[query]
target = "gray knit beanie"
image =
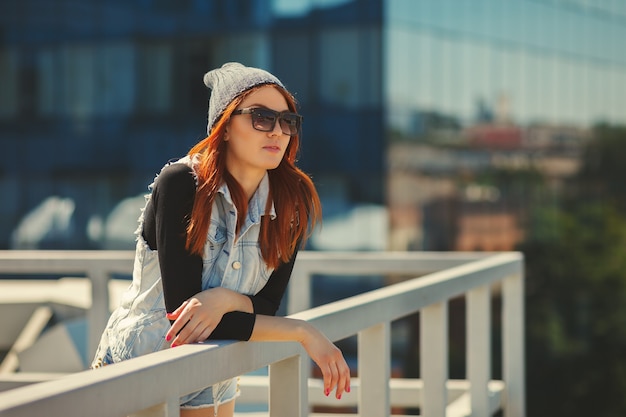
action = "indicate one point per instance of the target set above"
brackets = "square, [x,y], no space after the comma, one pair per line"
[228,82]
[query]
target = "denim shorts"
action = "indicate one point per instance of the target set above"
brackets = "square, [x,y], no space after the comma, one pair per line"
[214,395]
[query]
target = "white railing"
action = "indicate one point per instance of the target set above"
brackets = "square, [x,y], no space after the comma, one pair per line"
[151,385]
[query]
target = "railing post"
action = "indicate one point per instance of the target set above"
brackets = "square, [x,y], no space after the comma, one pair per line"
[434,358]
[513,346]
[299,291]
[374,356]
[478,316]
[289,396]
[98,314]
[299,298]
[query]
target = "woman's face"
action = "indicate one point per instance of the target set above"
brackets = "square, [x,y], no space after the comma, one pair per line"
[252,152]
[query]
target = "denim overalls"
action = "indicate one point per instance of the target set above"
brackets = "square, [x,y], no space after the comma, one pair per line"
[138,326]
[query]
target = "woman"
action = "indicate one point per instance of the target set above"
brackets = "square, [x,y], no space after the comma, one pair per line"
[218,239]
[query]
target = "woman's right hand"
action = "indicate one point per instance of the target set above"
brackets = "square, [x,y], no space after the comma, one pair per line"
[196,318]
[194,321]
[330,360]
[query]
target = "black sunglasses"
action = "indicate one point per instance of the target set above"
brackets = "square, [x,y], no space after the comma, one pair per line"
[264,119]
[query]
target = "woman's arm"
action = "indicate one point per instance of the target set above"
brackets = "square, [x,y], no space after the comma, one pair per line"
[324,353]
[165,230]
[220,313]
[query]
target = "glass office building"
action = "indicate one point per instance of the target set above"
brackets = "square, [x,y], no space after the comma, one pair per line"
[97,95]
[408,105]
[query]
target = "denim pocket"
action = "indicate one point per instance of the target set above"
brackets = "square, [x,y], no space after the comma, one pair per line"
[216,238]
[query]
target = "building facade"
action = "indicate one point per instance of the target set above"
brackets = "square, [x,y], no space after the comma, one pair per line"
[488,106]
[410,107]
[98,95]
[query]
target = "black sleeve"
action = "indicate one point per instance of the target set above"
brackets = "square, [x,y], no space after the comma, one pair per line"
[238,325]
[165,224]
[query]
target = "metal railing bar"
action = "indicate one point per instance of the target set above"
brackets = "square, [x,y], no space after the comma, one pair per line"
[399,300]
[140,383]
[155,381]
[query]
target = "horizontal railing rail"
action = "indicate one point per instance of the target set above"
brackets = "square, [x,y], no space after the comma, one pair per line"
[152,384]
[98,266]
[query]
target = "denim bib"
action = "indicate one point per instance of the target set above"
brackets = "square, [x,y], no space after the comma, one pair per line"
[138,326]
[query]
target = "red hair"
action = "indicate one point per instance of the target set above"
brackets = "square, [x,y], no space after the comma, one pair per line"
[297,205]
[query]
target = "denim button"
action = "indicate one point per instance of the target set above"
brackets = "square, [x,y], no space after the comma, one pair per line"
[236,265]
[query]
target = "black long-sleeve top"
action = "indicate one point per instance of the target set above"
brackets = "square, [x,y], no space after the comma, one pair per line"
[164,229]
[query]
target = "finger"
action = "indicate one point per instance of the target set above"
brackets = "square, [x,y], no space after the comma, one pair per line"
[194,334]
[335,380]
[327,377]
[333,377]
[205,334]
[343,385]
[178,321]
[185,335]
[178,326]
[174,314]
[175,329]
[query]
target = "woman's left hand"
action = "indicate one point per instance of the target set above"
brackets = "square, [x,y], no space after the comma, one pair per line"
[197,317]
[335,370]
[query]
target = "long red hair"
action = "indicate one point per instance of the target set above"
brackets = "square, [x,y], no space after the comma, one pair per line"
[297,205]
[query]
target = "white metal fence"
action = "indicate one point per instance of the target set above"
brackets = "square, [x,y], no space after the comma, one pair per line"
[151,385]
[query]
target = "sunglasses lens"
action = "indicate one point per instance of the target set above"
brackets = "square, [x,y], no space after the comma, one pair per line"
[263,120]
[290,123]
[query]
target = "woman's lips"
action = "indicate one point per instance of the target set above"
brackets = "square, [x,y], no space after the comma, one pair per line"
[274,149]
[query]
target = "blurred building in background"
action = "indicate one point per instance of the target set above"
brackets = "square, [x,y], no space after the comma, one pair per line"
[97,95]
[417,113]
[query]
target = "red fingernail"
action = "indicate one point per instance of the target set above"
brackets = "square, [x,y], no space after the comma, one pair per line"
[338,397]
[326,392]
[168,338]
[348,389]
